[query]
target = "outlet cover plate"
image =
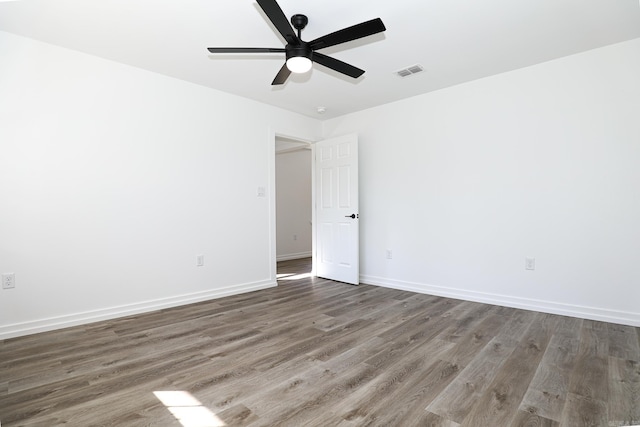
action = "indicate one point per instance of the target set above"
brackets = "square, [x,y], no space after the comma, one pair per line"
[8,280]
[529,263]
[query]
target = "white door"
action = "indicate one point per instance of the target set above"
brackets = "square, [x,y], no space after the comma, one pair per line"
[337,217]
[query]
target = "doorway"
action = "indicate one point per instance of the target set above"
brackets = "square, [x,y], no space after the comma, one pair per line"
[293,200]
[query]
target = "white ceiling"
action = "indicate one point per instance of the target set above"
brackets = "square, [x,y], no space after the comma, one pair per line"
[455,40]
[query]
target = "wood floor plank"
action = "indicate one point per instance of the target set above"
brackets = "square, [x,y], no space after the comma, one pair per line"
[623,405]
[548,389]
[409,308]
[311,402]
[394,377]
[468,321]
[431,420]
[499,402]
[458,399]
[238,415]
[321,353]
[589,377]
[623,342]
[233,386]
[413,332]
[584,411]
[128,400]
[91,391]
[409,401]
[469,344]
[527,419]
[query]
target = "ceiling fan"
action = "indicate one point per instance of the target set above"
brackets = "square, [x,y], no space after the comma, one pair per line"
[301,54]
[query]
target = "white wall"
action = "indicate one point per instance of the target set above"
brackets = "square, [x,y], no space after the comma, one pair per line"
[464,183]
[293,202]
[113,179]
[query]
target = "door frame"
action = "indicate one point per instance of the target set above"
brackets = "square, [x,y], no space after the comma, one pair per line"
[271,167]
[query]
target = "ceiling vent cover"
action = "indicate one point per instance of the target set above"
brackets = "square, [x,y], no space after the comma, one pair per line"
[414,69]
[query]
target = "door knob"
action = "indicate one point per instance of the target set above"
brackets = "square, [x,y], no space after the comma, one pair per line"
[352,216]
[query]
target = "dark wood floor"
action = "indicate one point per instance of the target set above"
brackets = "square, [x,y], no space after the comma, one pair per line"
[317,353]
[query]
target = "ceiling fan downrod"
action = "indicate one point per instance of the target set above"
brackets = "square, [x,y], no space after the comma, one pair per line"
[299,22]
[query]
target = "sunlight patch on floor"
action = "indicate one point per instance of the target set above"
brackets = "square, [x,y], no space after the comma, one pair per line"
[284,276]
[188,410]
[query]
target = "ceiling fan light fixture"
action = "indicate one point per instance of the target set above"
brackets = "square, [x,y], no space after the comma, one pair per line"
[300,55]
[299,64]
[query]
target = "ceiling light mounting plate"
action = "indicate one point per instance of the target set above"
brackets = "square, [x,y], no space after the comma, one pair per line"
[299,22]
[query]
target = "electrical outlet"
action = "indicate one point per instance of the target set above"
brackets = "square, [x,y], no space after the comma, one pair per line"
[199,260]
[389,254]
[8,280]
[529,263]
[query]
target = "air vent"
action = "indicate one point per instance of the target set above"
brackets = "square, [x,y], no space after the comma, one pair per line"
[414,69]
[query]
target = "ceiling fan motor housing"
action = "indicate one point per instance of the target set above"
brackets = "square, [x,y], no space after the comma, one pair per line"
[298,50]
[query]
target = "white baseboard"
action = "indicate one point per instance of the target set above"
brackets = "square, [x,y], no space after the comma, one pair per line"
[287,257]
[592,313]
[52,323]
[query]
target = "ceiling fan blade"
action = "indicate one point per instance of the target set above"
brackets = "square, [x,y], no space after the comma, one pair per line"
[279,20]
[245,49]
[282,75]
[337,65]
[354,32]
